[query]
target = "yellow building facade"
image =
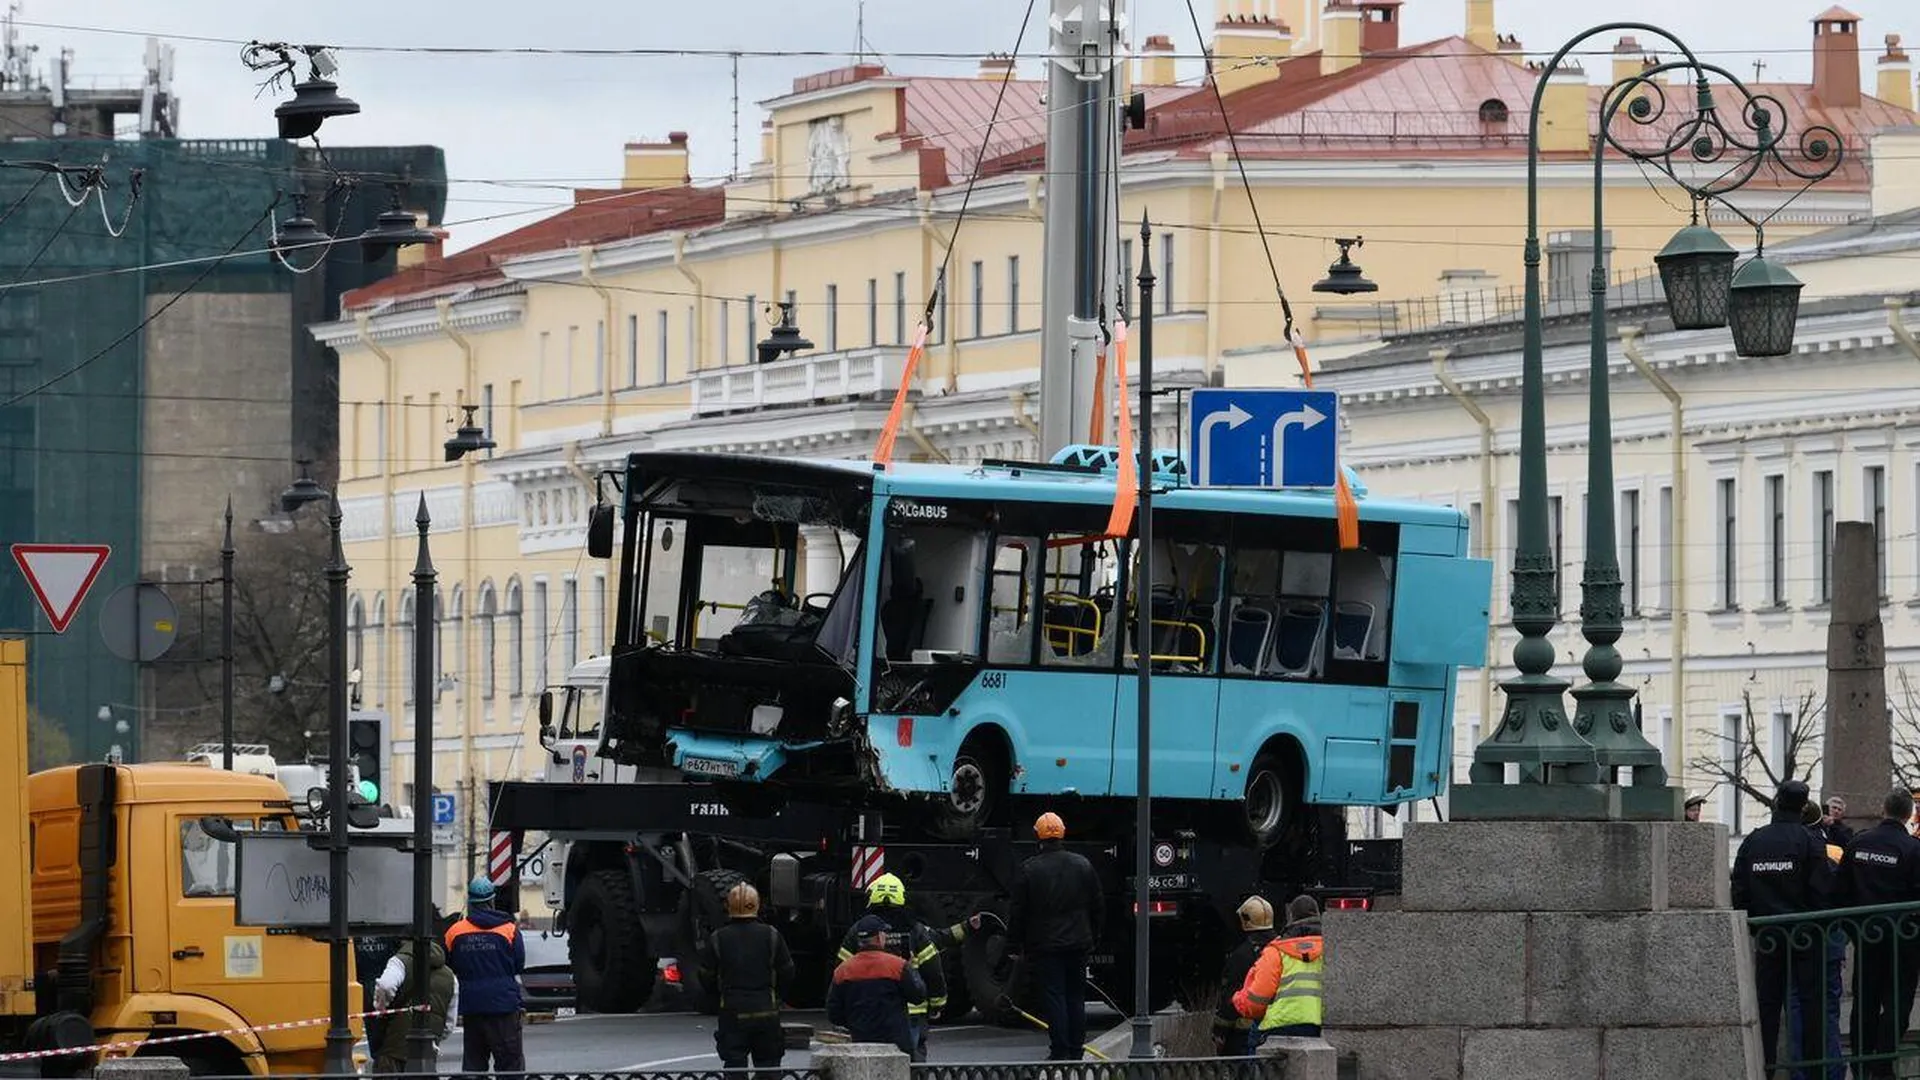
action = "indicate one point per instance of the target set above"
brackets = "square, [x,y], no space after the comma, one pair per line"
[629,320]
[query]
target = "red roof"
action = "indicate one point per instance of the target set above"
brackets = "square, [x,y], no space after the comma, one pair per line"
[597,217]
[1836,13]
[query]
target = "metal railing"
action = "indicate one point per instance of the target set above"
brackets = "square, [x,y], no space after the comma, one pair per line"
[1481,308]
[1856,967]
[1238,1068]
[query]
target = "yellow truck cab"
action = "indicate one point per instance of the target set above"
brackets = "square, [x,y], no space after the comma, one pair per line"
[129,908]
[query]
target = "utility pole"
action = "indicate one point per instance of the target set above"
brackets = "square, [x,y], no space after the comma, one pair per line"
[226,644]
[1082,46]
[1857,759]
[1142,1046]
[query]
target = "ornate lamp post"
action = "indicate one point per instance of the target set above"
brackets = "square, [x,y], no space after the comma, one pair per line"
[1568,770]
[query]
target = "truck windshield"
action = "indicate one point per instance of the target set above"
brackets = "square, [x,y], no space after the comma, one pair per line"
[208,866]
[580,712]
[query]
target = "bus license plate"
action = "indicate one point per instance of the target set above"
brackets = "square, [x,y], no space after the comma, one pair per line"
[1167,882]
[710,767]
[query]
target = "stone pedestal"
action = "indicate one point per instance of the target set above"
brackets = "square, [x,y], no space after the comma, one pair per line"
[1543,949]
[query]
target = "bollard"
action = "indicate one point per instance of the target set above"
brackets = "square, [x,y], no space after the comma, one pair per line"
[1303,1059]
[862,1061]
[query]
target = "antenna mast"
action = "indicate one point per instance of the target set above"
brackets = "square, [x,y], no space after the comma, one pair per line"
[735,174]
[860,32]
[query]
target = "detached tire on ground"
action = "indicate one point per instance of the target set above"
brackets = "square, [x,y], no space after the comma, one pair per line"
[995,983]
[613,970]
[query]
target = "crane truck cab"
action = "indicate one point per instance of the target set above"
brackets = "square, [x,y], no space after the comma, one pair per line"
[117,919]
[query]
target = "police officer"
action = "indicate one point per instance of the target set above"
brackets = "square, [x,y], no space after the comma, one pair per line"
[1054,917]
[910,940]
[747,964]
[1882,866]
[1782,869]
[1230,1029]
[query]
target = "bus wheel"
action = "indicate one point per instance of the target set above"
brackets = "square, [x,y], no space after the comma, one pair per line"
[612,968]
[973,792]
[1269,802]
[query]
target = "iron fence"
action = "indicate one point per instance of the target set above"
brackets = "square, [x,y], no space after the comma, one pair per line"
[1241,1068]
[1836,990]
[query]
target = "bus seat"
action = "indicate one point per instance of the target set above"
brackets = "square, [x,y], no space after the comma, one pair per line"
[1296,646]
[1352,629]
[1247,638]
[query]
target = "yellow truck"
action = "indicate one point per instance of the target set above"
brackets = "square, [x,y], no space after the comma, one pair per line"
[117,926]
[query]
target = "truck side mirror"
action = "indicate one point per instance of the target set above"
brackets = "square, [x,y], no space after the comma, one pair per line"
[546,712]
[600,531]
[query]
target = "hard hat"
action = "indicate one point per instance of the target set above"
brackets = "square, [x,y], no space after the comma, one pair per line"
[1256,914]
[1049,827]
[887,889]
[743,901]
[480,889]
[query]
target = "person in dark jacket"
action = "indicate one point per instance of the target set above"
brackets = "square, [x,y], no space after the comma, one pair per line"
[911,940]
[1882,866]
[487,954]
[872,992]
[1835,978]
[1782,869]
[396,989]
[1833,824]
[370,957]
[1053,918]
[1230,1029]
[747,964]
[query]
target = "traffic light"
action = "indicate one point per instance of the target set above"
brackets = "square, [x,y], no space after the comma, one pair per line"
[367,750]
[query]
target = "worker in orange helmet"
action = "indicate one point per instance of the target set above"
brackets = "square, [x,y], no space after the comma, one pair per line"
[1053,919]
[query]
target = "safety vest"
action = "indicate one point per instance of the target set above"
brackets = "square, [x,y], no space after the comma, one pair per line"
[1297,999]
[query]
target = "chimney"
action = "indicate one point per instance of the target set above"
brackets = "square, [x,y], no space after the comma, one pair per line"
[1896,75]
[1156,61]
[1563,110]
[1339,37]
[1379,25]
[1480,31]
[766,140]
[1836,58]
[1894,160]
[1628,59]
[1247,50]
[657,165]
[996,68]
[1511,50]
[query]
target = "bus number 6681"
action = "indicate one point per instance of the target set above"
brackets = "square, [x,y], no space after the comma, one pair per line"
[993,680]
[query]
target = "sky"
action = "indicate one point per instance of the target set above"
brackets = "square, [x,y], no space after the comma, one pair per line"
[519,129]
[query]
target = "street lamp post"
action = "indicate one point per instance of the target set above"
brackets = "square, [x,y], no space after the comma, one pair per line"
[226,643]
[339,1048]
[422,1058]
[1567,770]
[1143,665]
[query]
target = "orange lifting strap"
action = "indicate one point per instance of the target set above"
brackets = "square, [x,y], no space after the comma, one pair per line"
[1346,510]
[883,447]
[1096,424]
[1126,486]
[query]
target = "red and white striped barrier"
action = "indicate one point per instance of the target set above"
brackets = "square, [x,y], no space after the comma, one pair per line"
[500,858]
[130,1045]
[869,862]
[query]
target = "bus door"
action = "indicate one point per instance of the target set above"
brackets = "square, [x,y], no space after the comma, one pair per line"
[1441,610]
[1184,603]
[1069,734]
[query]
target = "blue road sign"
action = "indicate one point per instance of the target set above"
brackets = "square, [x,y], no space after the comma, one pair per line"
[1264,438]
[443,809]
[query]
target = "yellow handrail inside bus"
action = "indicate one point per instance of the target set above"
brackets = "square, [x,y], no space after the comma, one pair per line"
[1200,636]
[1068,634]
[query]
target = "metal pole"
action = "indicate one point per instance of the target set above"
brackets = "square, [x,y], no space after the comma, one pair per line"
[422,1056]
[1057,237]
[1143,667]
[339,1053]
[226,644]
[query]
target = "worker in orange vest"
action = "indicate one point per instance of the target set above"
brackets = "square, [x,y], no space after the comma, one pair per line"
[1282,992]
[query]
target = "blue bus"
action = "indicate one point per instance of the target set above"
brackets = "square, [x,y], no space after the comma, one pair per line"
[956,638]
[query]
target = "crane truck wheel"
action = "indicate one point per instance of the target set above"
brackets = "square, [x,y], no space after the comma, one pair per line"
[612,967]
[703,909]
[994,982]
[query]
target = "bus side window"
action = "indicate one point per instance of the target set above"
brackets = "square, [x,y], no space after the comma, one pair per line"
[1078,619]
[1010,614]
[1362,607]
[1306,578]
[1184,598]
[930,584]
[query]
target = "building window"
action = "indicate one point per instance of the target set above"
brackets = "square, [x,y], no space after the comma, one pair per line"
[753,325]
[1665,600]
[489,658]
[793,303]
[1823,539]
[573,343]
[900,307]
[1727,507]
[543,360]
[454,661]
[377,679]
[407,649]
[600,356]
[542,634]
[1669,753]
[1629,524]
[1776,541]
[1730,755]
[1476,530]
[633,350]
[693,358]
[939,326]
[1013,294]
[486,412]
[1876,483]
[570,632]
[599,643]
[873,311]
[833,318]
[516,640]
[1782,737]
[1126,275]
[1165,285]
[660,348]
[1559,552]
[726,333]
[979,296]
[357,635]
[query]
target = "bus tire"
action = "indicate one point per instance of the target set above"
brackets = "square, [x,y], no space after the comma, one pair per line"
[613,970]
[975,788]
[1271,800]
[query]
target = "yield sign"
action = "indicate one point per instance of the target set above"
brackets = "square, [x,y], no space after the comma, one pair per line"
[60,575]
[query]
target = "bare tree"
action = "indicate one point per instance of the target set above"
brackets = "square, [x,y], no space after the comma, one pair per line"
[280,627]
[1904,705]
[1749,769]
